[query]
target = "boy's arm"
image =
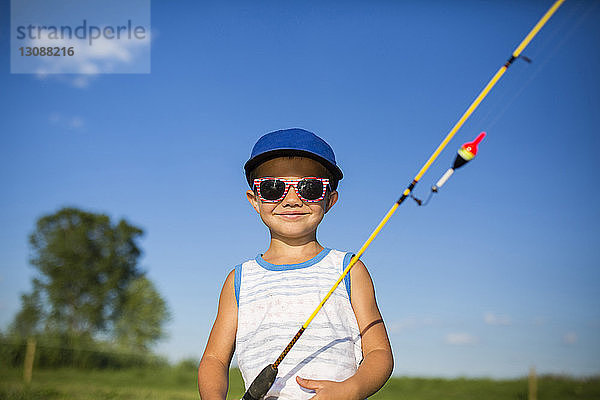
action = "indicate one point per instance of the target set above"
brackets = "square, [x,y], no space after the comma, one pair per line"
[378,362]
[213,371]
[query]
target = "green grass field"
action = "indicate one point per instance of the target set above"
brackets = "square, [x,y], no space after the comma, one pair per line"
[179,383]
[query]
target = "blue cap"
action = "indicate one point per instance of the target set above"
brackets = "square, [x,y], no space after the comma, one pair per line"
[293,142]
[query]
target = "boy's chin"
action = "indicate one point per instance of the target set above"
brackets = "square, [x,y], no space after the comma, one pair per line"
[292,232]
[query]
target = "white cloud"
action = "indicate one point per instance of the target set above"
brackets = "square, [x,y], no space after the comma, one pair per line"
[73,122]
[411,322]
[81,82]
[402,325]
[54,118]
[496,319]
[104,56]
[461,339]
[570,338]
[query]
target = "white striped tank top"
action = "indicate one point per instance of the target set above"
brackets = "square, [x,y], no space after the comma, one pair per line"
[273,303]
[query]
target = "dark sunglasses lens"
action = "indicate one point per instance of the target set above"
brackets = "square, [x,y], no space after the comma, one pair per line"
[310,189]
[272,189]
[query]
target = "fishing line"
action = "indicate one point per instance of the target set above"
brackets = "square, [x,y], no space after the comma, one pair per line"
[545,60]
[548,56]
[532,60]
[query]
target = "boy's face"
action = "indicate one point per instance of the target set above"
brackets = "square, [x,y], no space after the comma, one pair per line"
[291,218]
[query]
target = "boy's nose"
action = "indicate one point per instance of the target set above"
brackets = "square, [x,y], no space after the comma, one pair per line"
[291,197]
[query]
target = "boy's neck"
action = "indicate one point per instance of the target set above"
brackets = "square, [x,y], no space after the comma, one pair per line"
[291,251]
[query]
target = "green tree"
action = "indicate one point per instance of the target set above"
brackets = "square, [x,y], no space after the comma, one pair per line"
[85,264]
[142,316]
[88,275]
[28,320]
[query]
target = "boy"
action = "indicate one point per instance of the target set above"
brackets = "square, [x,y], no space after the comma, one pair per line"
[345,352]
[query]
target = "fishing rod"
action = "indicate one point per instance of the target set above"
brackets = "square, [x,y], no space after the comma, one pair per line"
[265,379]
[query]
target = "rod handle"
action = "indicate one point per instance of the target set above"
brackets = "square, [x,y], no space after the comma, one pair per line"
[261,384]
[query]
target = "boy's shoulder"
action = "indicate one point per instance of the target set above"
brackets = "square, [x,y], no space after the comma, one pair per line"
[326,255]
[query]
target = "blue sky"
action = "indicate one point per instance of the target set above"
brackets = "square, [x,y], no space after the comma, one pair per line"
[495,275]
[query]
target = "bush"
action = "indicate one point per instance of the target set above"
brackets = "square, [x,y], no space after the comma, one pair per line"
[189,364]
[53,351]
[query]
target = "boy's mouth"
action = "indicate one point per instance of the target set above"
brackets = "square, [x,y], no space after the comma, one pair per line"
[291,216]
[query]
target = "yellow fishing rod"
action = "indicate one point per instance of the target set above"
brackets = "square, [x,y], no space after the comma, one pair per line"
[265,379]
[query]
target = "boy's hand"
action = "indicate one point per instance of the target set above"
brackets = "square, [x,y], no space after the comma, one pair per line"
[326,390]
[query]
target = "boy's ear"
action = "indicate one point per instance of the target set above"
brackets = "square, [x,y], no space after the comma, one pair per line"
[331,200]
[253,199]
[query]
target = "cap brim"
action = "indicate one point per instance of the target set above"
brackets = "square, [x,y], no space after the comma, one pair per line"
[269,155]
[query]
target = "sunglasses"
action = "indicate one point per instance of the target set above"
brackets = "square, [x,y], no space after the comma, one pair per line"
[273,190]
